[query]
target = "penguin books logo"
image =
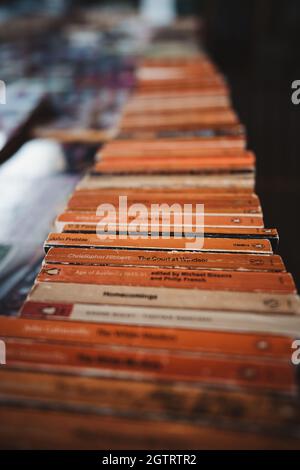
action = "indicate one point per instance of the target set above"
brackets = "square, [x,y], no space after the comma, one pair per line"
[296,353]
[2,353]
[2,92]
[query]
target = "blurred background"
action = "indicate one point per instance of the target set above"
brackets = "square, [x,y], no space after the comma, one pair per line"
[255,45]
[68,68]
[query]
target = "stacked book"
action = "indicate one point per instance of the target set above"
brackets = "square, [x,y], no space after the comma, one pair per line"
[161,317]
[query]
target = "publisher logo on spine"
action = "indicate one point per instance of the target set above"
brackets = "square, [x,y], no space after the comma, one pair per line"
[2,353]
[296,353]
[2,92]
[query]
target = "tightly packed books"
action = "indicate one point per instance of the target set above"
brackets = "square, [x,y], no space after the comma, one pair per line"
[136,337]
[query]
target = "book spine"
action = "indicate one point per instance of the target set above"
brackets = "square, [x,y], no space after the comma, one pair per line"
[166,298]
[232,182]
[212,261]
[280,324]
[171,339]
[219,245]
[196,404]
[169,278]
[173,165]
[214,215]
[146,196]
[210,220]
[160,365]
[215,232]
[25,428]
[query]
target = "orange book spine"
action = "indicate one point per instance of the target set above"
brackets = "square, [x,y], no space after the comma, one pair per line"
[225,196]
[210,244]
[175,152]
[90,202]
[214,220]
[218,199]
[190,192]
[171,339]
[197,368]
[122,395]
[169,153]
[90,256]
[21,428]
[171,278]
[184,93]
[226,116]
[191,89]
[187,165]
[233,141]
[232,232]
[211,210]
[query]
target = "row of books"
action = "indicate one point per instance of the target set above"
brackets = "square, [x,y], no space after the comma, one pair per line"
[64,90]
[136,337]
